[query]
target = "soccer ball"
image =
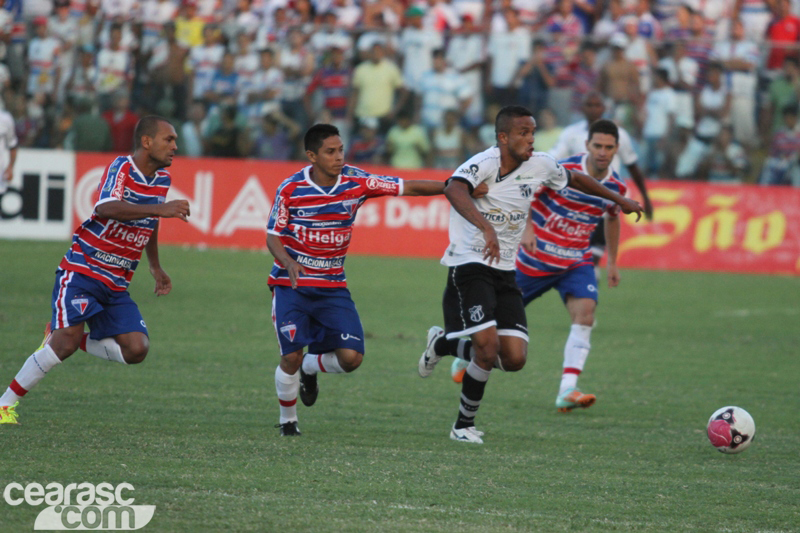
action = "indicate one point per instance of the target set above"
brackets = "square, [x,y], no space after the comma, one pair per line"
[731,429]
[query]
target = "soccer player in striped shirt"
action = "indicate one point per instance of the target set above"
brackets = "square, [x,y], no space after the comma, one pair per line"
[92,279]
[555,253]
[309,232]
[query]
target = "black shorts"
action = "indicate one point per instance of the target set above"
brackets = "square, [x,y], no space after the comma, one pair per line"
[478,297]
[598,240]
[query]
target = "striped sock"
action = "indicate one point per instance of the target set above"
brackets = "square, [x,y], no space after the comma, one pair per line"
[287,385]
[324,362]
[31,373]
[472,388]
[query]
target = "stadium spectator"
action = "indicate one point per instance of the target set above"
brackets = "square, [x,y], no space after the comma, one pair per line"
[189,27]
[585,78]
[712,105]
[223,83]
[649,26]
[782,167]
[449,141]
[378,90]
[660,110]
[783,34]
[682,71]
[564,21]
[639,51]
[167,69]
[783,91]
[547,130]
[466,53]
[407,144]
[508,51]
[726,162]
[367,145]
[329,36]
[121,123]
[246,63]
[619,81]
[191,134]
[416,48]
[82,81]
[204,60]
[8,149]
[90,132]
[64,27]
[610,23]
[228,139]
[297,62]
[114,68]
[276,137]
[377,31]
[536,77]
[43,61]
[154,14]
[264,94]
[331,82]
[441,89]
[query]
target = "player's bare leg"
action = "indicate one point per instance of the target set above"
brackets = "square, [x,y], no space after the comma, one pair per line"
[287,384]
[512,357]
[576,350]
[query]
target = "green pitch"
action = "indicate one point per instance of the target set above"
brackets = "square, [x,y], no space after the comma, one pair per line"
[192,427]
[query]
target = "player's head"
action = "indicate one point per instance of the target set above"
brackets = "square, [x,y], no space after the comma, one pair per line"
[593,106]
[602,143]
[324,149]
[514,128]
[156,138]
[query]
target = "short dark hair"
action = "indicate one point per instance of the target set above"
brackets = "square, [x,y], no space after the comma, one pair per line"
[604,126]
[502,122]
[146,126]
[317,134]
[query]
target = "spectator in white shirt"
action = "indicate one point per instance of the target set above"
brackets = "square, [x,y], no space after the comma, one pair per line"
[441,89]
[660,107]
[466,52]
[416,46]
[508,51]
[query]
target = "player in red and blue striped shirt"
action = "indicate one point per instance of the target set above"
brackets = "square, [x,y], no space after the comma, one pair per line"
[555,251]
[309,232]
[92,278]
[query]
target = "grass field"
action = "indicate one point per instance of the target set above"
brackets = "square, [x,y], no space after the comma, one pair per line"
[192,428]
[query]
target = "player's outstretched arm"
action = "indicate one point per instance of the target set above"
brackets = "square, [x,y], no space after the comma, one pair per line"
[589,185]
[278,251]
[422,187]
[163,281]
[124,211]
[612,231]
[457,192]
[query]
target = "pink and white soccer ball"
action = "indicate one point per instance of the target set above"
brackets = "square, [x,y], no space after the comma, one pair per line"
[731,429]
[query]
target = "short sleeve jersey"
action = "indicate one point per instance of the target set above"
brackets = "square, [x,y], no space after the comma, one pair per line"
[505,206]
[315,223]
[109,250]
[564,222]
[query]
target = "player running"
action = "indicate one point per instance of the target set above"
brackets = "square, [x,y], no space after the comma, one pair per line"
[556,253]
[482,299]
[309,232]
[93,277]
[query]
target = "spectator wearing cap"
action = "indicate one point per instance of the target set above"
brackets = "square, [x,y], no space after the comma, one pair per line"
[508,51]
[619,80]
[466,53]
[168,75]
[740,57]
[331,82]
[416,47]
[377,90]
[115,68]
[189,25]
[43,64]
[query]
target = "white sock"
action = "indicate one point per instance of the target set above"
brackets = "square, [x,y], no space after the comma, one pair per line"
[106,349]
[575,353]
[326,362]
[31,373]
[287,385]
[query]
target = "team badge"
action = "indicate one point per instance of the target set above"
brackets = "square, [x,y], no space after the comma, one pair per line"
[289,331]
[350,206]
[525,191]
[80,304]
[476,313]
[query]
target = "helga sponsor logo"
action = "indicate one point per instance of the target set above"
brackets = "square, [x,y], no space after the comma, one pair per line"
[81,506]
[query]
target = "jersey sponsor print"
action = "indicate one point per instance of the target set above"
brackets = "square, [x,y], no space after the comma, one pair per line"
[109,250]
[564,222]
[315,223]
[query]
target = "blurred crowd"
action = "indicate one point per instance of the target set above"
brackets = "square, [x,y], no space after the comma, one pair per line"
[708,89]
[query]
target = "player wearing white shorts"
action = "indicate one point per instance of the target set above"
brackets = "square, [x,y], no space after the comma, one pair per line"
[481,299]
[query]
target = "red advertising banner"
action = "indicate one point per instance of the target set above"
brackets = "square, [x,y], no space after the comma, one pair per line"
[695,227]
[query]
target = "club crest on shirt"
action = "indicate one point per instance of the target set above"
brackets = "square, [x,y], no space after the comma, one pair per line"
[476,313]
[80,304]
[289,331]
[350,206]
[525,191]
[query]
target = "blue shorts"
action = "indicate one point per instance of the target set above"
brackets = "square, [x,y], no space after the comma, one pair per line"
[579,282]
[78,298]
[323,319]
